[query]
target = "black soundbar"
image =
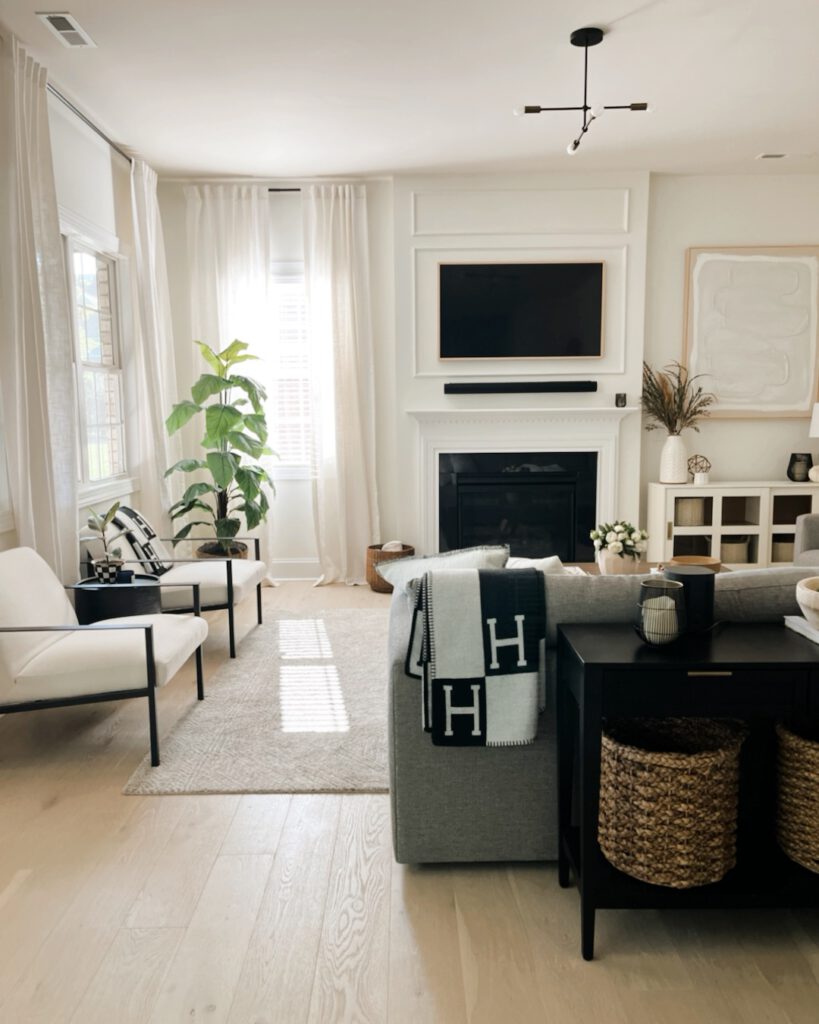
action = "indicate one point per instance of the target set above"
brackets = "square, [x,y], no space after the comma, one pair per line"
[520,388]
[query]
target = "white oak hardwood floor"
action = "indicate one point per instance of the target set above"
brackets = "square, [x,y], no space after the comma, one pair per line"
[289,909]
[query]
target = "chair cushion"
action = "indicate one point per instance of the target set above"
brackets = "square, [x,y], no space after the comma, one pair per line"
[30,595]
[94,661]
[211,575]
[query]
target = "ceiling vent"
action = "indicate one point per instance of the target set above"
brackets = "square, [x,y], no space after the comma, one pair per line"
[66,28]
[771,156]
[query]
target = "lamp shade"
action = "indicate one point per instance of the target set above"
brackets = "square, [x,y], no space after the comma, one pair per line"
[814,422]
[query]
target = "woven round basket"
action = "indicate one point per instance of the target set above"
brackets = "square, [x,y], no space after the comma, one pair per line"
[797,819]
[376,554]
[668,799]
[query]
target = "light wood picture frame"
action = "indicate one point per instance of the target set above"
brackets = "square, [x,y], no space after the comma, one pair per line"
[752,327]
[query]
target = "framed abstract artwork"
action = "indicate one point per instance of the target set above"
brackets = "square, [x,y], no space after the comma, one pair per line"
[751,328]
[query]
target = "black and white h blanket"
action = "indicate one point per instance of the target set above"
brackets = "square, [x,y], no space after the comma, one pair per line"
[477,643]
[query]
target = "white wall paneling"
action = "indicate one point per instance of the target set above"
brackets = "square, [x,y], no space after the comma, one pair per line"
[425,318]
[505,211]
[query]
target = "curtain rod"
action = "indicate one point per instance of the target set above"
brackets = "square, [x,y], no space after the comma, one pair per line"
[284,190]
[88,121]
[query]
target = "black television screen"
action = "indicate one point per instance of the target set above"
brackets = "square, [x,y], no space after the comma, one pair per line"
[521,310]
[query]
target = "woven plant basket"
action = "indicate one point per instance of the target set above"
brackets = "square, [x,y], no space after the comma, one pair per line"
[376,554]
[668,799]
[797,819]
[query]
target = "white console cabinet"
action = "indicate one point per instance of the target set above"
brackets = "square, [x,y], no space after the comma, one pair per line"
[744,525]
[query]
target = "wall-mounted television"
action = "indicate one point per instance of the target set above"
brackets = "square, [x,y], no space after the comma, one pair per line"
[521,310]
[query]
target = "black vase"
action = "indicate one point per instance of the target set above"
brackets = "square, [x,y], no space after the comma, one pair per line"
[798,466]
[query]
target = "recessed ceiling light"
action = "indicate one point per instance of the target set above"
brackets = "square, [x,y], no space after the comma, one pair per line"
[771,156]
[66,28]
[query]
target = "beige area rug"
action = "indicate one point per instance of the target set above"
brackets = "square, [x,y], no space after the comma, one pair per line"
[303,709]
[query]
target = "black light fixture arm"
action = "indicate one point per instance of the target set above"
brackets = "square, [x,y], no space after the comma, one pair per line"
[584,37]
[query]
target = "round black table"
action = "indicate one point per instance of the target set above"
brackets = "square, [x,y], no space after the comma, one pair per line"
[94,600]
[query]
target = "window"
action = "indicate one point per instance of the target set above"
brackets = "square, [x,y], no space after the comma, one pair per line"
[98,361]
[288,370]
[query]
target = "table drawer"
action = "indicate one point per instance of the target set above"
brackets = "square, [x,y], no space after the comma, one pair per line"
[709,692]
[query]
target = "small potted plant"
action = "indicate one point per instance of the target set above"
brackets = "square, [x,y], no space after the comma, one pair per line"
[619,547]
[673,402]
[107,567]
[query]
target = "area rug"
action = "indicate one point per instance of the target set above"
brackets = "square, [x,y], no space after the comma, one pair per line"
[302,709]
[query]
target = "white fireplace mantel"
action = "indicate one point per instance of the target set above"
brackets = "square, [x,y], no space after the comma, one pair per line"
[557,429]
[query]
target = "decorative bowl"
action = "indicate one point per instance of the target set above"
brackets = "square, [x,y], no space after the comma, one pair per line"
[807,597]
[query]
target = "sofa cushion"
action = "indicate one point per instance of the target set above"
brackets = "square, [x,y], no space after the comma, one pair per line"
[400,571]
[551,564]
[589,599]
[758,595]
[95,661]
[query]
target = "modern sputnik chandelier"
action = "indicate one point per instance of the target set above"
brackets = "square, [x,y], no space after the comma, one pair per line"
[584,37]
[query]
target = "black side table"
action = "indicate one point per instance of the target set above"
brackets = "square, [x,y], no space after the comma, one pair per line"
[759,672]
[94,600]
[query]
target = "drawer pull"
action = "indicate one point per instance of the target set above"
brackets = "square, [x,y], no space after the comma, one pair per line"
[712,672]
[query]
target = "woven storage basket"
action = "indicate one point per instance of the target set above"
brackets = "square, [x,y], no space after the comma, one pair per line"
[797,820]
[376,554]
[668,799]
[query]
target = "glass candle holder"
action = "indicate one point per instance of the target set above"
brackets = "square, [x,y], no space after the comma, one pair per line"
[660,611]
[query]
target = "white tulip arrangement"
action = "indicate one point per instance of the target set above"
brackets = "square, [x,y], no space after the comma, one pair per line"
[619,538]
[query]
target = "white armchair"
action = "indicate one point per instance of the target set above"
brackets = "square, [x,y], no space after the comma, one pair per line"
[48,660]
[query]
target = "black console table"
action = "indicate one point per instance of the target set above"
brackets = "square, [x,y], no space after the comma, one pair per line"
[94,600]
[758,672]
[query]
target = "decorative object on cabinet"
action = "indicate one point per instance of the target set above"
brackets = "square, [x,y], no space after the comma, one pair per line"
[751,327]
[799,466]
[672,401]
[619,547]
[698,469]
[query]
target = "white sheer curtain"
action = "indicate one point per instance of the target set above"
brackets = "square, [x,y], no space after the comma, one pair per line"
[154,357]
[336,257]
[228,229]
[36,368]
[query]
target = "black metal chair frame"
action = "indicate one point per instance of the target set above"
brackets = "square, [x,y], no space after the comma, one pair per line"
[149,690]
[229,606]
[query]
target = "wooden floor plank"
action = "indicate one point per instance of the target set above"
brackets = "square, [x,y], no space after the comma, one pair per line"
[352,967]
[171,891]
[201,980]
[127,984]
[257,824]
[426,983]
[277,976]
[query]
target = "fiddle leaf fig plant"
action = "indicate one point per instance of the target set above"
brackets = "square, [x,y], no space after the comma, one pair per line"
[235,437]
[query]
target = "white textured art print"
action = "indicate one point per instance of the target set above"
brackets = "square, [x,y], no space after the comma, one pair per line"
[753,331]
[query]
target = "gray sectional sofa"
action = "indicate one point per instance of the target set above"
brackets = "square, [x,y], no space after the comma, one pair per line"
[499,803]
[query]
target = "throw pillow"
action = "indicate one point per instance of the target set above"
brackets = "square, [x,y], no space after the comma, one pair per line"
[142,538]
[551,565]
[400,571]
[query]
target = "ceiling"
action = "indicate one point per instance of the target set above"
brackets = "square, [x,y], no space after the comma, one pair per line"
[373,87]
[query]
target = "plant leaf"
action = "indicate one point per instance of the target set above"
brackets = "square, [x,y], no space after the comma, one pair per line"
[182,509]
[207,385]
[109,515]
[210,357]
[185,466]
[220,420]
[180,414]
[233,350]
[186,529]
[253,514]
[223,467]
[227,528]
[258,424]
[197,489]
[245,443]
[247,483]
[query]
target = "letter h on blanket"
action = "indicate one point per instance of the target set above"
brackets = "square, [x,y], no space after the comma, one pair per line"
[477,643]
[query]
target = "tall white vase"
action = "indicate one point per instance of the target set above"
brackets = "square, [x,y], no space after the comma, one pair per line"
[674,461]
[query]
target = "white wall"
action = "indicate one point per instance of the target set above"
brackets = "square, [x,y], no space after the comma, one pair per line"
[503,218]
[707,210]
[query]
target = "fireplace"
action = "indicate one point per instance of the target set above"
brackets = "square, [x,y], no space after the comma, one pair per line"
[539,503]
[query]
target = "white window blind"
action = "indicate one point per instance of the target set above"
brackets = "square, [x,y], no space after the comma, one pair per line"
[98,363]
[288,371]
